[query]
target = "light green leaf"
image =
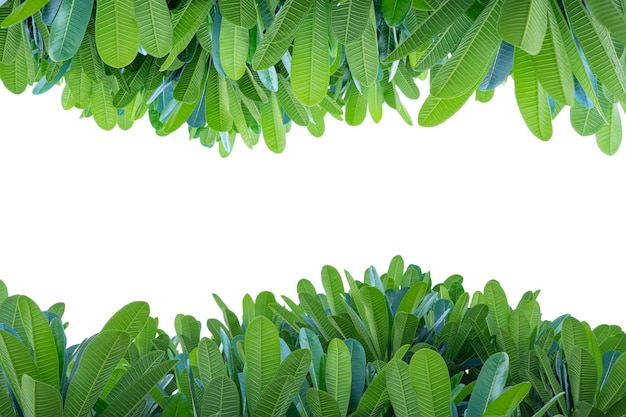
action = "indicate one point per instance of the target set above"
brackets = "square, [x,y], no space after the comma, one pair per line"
[280,33]
[531,98]
[190,84]
[10,39]
[104,113]
[16,75]
[40,399]
[322,404]
[310,65]
[24,10]
[218,116]
[288,101]
[430,380]
[552,65]
[239,12]
[598,48]
[272,125]
[472,58]
[437,110]
[239,119]
[436,22]
[16,362]
[339,374]
[401,392]
[349,19]
[155,26]
[262,349]
[130,319]
[221,398]
[117,35]
[362,56]
[609,136]
[233,49]
[68,28]
[375,101]
[609,14]
[375,314]
[98,361]
[356,105]
[508,401]
[523,23]
[499,310]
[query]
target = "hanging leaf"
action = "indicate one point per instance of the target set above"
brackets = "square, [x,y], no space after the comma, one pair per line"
[610,15]
[24,10]
[310,64]
[10,39]
[500,68]
[609,136]
[362,56]
[348,19]
[155,26]
[437,110]
[239,12]
[523,23]
[585,121]
[394,11]
[233,43]
[217,107]
[356,105]
[68,28]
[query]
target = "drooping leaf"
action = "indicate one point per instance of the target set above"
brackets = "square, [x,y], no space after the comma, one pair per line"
[68,28]
[272,124]
[349,19]
[394,11]
[24,10]
[609,136]
[239,12]
[500,68]
[155,26]
[362,56]
[233,42]
[523,23]
[117,34]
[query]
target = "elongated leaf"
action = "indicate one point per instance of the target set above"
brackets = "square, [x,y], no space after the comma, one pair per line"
[532,99]
[349,19]
[40,399]
[272,124]
[523,23]
[309,63]
[598,48]
[436,22]
[276,397]
[437,110]
[233,49]
[322,404]
[444,44]
[508,401]
[339,374]
[218,116]
[190,84]
[68,28]
[24,10]
[16,362]
[155,26]
[280,34]
[430,380]
[262,358]
[552,65]
[356,105]
[239,12]
[614,387]
[376,317]
[375,397]
[401,392]
[97,363]
[362,56]
[117,34]
[499,309]
[394,11]
[489,384]
[177,405]
[221,397]
[609,14]
[130,319]
[582,370]
[290,104]
[609,136]
[10,39]
[472,58]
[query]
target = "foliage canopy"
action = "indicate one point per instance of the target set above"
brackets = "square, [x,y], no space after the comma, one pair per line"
[390,345]
[252,67]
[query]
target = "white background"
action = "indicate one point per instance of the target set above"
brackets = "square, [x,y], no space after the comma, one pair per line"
[98,219]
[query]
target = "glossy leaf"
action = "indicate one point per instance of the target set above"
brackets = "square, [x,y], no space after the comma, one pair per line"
[68,28]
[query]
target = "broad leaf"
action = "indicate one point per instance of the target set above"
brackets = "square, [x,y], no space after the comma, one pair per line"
[430,380]
[262,349]
[155,26]
[68,28]
[117,34]
[40,399]
[523,23]
[239,12]
[349,19]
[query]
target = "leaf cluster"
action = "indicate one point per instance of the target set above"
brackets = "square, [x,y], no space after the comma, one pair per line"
[390,345]
[246,68]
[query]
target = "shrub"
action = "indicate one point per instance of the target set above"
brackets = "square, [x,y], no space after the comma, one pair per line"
[242,67]
[391,345]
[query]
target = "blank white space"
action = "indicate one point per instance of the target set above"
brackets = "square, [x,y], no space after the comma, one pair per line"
[98,219]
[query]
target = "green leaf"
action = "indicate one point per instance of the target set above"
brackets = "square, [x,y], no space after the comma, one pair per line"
[375,314]
[16,75]
[239,12]
[191,82]
[348,19]
[499,309]
[217,106]
[489,385]
[10,39]
[339,374]
[309,64]
[582,371]
[609,14]
[356,105]
[187,331]
[508,401]
[394,11]
[523,23]
[362,56]
[276,397]
[375,397]
[16,362]
[24,10]
[437,110]
[430,380]
[221,398]
[177,405]
[609,136]
[155,26]
[280,33]
[322,404]
[288,101]
[130,319]
[98,361]
[598,48]
[532,99]
[104,112]
[436,22]
[233,49]
[333,286]
[552,65]
[404,328]
[68,28]
[117,34]
[614,387]
[401,393]
[272,125]
[375,101]
[472,58]
[40,399]
[262,349]
[239,120]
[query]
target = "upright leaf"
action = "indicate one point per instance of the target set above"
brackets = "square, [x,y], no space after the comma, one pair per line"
[262,349]
[401,392]
[339,374]
[130,319]
[489,385]
[40,399]
[430,380]
[394,11]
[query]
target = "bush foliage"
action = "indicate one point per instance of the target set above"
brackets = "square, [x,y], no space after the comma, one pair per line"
[391,345]
[250,67]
